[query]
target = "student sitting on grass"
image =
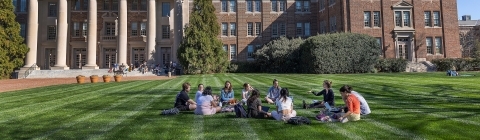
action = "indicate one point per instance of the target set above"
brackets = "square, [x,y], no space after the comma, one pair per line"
[182,101]
[246,92]
[226,93]
[199,92]
[328,96]
[352,104]
[206,105]
[284,105]
[254,109]
[273,92]
[364,108]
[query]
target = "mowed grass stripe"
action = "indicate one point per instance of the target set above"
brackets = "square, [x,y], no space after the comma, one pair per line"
[56,103]
[197,129]
[90,115]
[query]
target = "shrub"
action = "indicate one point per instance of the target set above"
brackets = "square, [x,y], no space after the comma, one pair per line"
[391,65]
[460,64]
[244,67]
[339,53]
[279,56]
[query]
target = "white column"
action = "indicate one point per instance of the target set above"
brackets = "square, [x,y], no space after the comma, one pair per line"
[32,34]
[151,36]
[122,33]
[92,36]
[62,30]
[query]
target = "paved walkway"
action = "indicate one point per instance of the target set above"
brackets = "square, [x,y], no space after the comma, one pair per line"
[19,84]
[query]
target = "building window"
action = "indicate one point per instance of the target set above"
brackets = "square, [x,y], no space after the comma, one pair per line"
[85,5]
[436,19]
[379,42]
[110,28]
[106,5]
[258,28]
[283,29]
[333,24]
[14,5]
[438,45]
[233,6]
[224,6]
[22,7]
[376,18]
[298,6]
[84,28]
[165,9]
[274,29]
[366,18]
[225,47]
[233,52]
[165,31]
[428,22]
[143,5]
[76,29]
[250,52]
[258,6]
[250,29]
[306,6]
[134,4]
[402,18]
[224,29]
[302,6]
[143,28]
[76,5]
[281,5]
[51,32]
[332,2]
[249,6]
[52,9]
[321,3]
[429,45]
[114,5]
[23,31]
[323,27]
[406,18]
[299,29]
[233,29]
[398,18]
[307,29]
[134,29]
[274,6]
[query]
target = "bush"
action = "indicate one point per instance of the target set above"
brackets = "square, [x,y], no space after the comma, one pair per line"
[460,64]
[391,65]
[279,56]
[339,53]
[244,67]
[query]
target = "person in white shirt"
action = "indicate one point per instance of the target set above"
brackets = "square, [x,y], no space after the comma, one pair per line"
[364,108]
[284,105]
[199,92]
[206,105]
[246,92]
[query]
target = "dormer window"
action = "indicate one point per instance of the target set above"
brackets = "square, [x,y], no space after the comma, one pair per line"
[403,15]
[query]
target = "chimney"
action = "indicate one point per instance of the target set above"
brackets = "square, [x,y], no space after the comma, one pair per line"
[466,17]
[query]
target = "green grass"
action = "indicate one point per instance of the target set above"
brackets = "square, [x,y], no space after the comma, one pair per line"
[404,106]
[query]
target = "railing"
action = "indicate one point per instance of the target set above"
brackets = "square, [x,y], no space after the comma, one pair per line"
[29,70]
[111,38]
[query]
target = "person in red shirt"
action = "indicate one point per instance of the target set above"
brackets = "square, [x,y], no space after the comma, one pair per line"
[352,104]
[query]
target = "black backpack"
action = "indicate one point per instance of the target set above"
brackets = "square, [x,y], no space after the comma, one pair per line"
[240,111]
[299,120]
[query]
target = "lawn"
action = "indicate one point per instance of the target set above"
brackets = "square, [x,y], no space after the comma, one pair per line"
[404,106]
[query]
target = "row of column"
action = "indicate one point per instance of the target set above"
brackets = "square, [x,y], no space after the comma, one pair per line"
[62,34]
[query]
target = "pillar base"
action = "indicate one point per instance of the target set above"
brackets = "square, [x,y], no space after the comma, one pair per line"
[26,68]
[60,68]
[89,67]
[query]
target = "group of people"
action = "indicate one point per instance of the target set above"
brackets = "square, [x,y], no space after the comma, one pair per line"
[206,103]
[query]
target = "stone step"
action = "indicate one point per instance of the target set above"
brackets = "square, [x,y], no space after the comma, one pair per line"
[75,72]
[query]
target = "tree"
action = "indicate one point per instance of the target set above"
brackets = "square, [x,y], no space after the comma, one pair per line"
[12,48]
[468,41]
[200,48]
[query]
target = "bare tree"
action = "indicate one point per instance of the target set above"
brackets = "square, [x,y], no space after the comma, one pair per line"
[469,42]
[418,43]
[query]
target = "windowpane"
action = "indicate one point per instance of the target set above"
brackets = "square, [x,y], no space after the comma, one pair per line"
[307,29]
[332,2]
[233,6]
[85,4]
[258,6]
[429,45]
[165,31]
[299,29]
[224,6]
[283,29]
[250,29]
[76,31]
[321,4]
[250,51]
[143,5]
[134,4]
[134,29]
[51,32]
[274,29]
[165,9]
[427,18]
[366,19]
[249,6]
[436,18]
[398,18]
[143,28]
[258,28]
[85,28]
[282,5]
[333,24]
[376,19]
[298,6]
[406,18]
[14,5]
[76,5]
[114,5]
[224,29]
[52,9]
[233,29]
[106,5]
[438,45]
[225,48]
[233,52]
[306,6]
[274,6]
[23,30]
[23,5]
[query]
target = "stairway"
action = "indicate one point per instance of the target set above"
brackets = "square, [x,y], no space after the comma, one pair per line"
[424,66]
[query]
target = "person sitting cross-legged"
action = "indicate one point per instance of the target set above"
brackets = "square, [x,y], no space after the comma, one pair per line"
[352,103]
[254,106]
[284,105]
[273,92]
[182,101]
[206,105]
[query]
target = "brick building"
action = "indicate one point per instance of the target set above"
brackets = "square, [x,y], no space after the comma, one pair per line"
[91,34]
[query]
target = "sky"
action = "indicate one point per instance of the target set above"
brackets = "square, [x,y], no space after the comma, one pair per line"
[468,7]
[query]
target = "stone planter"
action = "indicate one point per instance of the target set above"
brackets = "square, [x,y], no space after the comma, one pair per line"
[94,78]
[117,78]
[106,78]
[80,79]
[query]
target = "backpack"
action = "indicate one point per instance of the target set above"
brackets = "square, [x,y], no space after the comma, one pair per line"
[240,111]
[299,120]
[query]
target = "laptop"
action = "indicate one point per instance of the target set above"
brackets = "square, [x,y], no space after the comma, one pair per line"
[329,108]
[265,108]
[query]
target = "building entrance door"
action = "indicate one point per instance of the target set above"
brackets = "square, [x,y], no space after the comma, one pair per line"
[110,57]
[138,56]
[80,57]
[165,52]
[403,48]
[50,58]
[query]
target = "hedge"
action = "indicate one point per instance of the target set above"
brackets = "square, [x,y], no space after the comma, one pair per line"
[460,64]
[279,56]
[391,65]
